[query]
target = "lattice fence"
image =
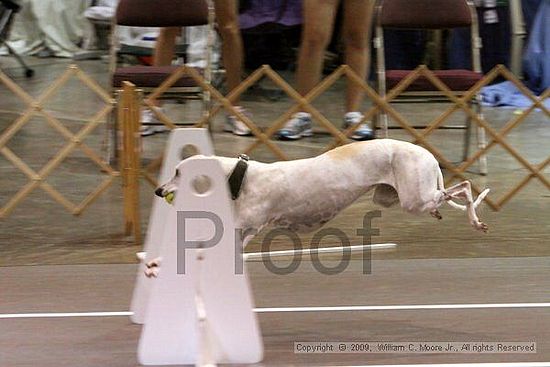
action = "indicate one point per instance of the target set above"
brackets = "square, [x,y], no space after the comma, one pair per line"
[304,103]
[35,107]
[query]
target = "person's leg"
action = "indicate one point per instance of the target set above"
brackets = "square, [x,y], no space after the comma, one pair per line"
[164,46]
[232,54]
[318,22]
[232,45]
[356,34]
[162,56]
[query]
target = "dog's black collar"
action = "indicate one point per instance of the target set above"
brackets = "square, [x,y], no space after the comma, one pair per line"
[236,177]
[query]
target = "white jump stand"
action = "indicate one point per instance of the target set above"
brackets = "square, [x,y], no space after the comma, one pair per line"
[178,140]
[204,316]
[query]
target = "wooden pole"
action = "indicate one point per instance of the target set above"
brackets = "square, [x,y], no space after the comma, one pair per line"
[128,114]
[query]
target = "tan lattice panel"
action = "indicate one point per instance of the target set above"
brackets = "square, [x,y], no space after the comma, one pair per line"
[498,137]
[461,103]
[35,107]
[303,103]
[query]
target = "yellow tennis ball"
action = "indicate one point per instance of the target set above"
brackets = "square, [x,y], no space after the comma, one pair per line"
[169,197]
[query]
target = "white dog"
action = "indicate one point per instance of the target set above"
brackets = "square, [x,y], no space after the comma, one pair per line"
[304,194]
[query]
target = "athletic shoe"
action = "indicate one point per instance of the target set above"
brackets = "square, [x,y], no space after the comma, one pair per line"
[148,130]
[363,132]
[299,126]
[150,124]
[235,126]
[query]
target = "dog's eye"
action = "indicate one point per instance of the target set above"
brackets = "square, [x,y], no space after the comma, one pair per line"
[177,173]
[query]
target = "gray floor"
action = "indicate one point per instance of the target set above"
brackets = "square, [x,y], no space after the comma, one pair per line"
[112,341]
[441,262]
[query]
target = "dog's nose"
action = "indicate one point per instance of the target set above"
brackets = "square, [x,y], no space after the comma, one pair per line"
[159,192]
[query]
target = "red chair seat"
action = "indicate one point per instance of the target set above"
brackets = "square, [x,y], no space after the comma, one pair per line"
[456,80]
[150,76]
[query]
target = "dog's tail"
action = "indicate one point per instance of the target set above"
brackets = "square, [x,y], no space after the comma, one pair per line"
[477,201]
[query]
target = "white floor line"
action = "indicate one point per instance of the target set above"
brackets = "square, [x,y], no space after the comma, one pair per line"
[252,256]
[402,307]
[41,315]
[297,309]
[506,364]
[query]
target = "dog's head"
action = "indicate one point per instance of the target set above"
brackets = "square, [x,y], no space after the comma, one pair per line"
[168,190]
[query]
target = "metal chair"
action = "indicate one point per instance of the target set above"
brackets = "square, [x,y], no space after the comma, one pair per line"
[160,13]
[430,15]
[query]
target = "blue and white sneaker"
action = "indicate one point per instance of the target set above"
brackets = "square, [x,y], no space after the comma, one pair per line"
[299,126]
[363,132]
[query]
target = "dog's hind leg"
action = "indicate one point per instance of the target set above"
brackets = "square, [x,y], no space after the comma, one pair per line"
[463,191]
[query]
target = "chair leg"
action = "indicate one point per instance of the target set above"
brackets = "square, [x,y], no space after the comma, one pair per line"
[481,138]
[110,139]
[375,123]
[382,125]
[467,137]
[28,71]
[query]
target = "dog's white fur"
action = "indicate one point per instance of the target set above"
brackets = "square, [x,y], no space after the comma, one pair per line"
[304,194]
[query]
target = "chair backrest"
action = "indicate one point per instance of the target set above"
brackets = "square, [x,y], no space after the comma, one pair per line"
[424,14]
[162,13]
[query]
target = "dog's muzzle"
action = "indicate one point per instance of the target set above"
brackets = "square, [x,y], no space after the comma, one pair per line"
[168,196]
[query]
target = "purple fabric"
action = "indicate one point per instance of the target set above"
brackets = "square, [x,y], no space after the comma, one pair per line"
[285,12]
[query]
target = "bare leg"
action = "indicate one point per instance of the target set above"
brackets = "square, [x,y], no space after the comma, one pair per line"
[164,46]
[232,45]
[356,34]
[316,32]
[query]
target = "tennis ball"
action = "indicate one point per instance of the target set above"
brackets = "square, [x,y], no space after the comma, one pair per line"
[169,197]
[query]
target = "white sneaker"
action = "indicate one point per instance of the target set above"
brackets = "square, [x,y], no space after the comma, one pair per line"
[363,132]
[150,124]
[148,130]
[235,126]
